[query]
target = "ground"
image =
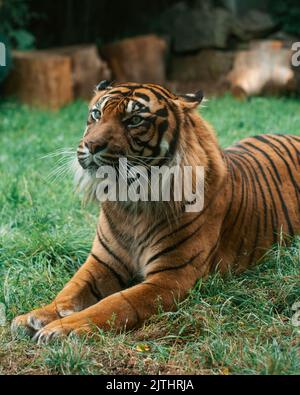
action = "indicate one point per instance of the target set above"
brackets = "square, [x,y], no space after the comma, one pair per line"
[238,324]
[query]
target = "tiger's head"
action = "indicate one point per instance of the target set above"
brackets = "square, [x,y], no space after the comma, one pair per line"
[150,127]
[138,121]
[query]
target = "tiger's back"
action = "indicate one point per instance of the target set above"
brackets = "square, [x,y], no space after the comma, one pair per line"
[263,186]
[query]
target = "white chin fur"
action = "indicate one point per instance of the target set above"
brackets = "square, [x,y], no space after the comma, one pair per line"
[85,182]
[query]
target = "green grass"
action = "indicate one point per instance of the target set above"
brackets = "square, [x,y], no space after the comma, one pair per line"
[238,324]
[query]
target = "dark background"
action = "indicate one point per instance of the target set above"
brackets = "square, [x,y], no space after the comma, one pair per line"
[64,22]
[99,21]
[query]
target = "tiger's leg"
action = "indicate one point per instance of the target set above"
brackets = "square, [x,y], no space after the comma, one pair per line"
[95,280]
[127,308]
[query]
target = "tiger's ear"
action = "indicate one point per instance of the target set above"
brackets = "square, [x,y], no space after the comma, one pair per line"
[190,101]
[105,84]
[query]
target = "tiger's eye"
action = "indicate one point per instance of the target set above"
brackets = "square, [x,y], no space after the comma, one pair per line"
[135,120]
[95,114]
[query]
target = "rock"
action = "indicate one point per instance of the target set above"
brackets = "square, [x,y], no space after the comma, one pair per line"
[138,59]
[204,71]
[87,68]
[40,78]
[200,26]
[254,24]
[207,65]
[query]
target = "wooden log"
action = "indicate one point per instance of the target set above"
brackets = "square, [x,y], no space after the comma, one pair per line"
[41,79]
[87,68]
[264,68]
[138,59]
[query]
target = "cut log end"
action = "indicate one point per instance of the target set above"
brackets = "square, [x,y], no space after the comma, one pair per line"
[53,78]
[41,79]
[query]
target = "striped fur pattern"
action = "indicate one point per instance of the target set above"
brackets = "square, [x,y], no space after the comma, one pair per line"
[142,258]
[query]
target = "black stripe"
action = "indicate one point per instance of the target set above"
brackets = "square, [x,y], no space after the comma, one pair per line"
[162,127]
[245,180]
[119,92]
[159,88]
[152,231]
[142,96]
[275,220]
[117,275]
[296,138]
[92,291]
[157,91]
[274,167]
[130,140]
[284,207]
[175,267]
[241,207]
[110,252]
[285,147]
[165,225]
[231,171]
[163,112]
[116,232]
[176,131]
[93,287]
[178,229]
[297,152]
[276,149]
[262,192]
[190,120]
[255,181]
[158,95]
[173,246]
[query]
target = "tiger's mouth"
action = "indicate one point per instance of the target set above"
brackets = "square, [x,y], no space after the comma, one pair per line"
[93,162]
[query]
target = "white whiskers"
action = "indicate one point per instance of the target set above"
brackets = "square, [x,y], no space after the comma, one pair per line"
[64,165]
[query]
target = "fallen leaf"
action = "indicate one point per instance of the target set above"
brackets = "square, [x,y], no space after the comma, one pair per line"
[142,347]
[225,371]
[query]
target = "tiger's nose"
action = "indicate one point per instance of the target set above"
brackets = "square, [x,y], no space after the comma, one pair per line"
[94,147]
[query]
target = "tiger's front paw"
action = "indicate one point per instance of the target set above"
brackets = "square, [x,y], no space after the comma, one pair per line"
[61,328]
[30,323]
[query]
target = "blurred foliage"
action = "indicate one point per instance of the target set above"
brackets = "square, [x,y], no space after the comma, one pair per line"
[287,13]
[15,16]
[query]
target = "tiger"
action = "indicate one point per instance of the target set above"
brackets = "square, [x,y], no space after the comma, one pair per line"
[146,257]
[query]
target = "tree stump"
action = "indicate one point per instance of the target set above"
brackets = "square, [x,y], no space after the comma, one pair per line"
[41,79]
[264,68]
[139,59]
[88,69]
